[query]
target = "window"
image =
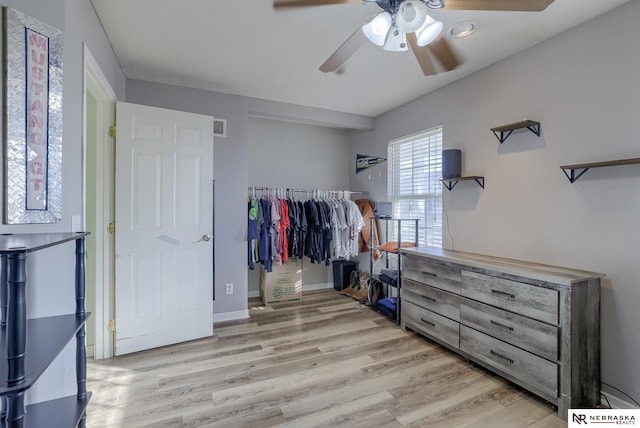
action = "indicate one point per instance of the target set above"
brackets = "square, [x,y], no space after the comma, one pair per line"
[414,187]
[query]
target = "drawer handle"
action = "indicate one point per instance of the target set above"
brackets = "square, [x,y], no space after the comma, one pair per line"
[431,299]
[430,274]
[502,293]
[427,322]
[501,325]
[501,356]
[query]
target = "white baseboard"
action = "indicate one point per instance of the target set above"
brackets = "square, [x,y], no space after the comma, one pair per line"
[305,287]
[91,351]
[231,316]
[617,402]
[321,286]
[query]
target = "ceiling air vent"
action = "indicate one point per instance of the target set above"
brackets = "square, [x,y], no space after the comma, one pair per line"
[220,127]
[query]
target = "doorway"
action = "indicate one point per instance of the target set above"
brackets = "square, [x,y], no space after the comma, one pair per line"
[98,204]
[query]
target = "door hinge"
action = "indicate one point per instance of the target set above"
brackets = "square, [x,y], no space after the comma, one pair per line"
[111,228]
[112,325]
[112,131]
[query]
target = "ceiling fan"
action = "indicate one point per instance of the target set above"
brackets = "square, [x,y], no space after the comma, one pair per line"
[406,23]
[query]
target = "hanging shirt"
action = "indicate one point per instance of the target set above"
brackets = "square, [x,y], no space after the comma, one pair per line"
[252,231]
[312,241]
[303,229]
[340,231]
[356,226]
[275,230]
[327,234]
[284,229]
[264,244]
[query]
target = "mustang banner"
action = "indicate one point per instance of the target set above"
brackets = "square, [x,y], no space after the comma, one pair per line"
[37,103]
[363,162]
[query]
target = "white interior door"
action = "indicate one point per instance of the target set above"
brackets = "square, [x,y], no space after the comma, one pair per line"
[164,222]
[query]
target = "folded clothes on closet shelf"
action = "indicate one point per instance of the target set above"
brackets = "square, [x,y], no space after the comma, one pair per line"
[389,276]
[389,303]
[388,306]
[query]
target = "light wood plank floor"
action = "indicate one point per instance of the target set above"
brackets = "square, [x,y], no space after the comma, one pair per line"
[328,361]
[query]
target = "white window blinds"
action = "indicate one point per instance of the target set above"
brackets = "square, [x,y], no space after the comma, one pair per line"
[414,186]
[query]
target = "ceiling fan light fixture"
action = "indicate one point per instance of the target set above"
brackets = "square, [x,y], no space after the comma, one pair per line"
[429,31]
[378,28]
[411,15]
[396,41]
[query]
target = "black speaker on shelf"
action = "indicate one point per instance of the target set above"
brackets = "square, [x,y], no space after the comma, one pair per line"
[451,163]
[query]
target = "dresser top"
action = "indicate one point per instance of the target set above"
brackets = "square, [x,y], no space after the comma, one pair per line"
[541,272]
[29,242]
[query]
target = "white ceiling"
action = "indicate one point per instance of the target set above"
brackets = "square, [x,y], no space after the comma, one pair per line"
[245,47]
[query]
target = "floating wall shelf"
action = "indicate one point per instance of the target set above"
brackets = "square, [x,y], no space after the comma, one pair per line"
[450,183]
[502,132]
[581,168]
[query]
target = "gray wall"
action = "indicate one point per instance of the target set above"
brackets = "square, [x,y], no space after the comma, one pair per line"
[583,87]
[231,170]
[283,154]
[80,25]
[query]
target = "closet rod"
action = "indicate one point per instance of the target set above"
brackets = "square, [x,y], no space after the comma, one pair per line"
[356,192]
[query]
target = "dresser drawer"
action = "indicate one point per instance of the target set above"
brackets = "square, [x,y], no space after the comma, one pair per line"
[429,323]
[434,274]
[438,301]
[537,374]
[531,335]
[525,299]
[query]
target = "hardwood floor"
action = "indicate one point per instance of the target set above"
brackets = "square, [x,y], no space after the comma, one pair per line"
[328,361]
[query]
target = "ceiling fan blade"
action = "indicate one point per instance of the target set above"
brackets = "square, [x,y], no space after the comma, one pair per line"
[443,51]
[503,5]
[299,3]
[421,55]
[345,50]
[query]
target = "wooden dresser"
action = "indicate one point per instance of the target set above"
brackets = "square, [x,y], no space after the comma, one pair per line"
[534,324]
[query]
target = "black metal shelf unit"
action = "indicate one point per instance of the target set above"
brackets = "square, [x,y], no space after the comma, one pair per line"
[385,253]
[30,345]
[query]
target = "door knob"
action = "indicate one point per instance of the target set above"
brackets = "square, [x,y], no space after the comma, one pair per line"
[204,238]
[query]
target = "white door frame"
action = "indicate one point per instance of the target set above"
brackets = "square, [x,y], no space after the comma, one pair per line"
[95,81]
